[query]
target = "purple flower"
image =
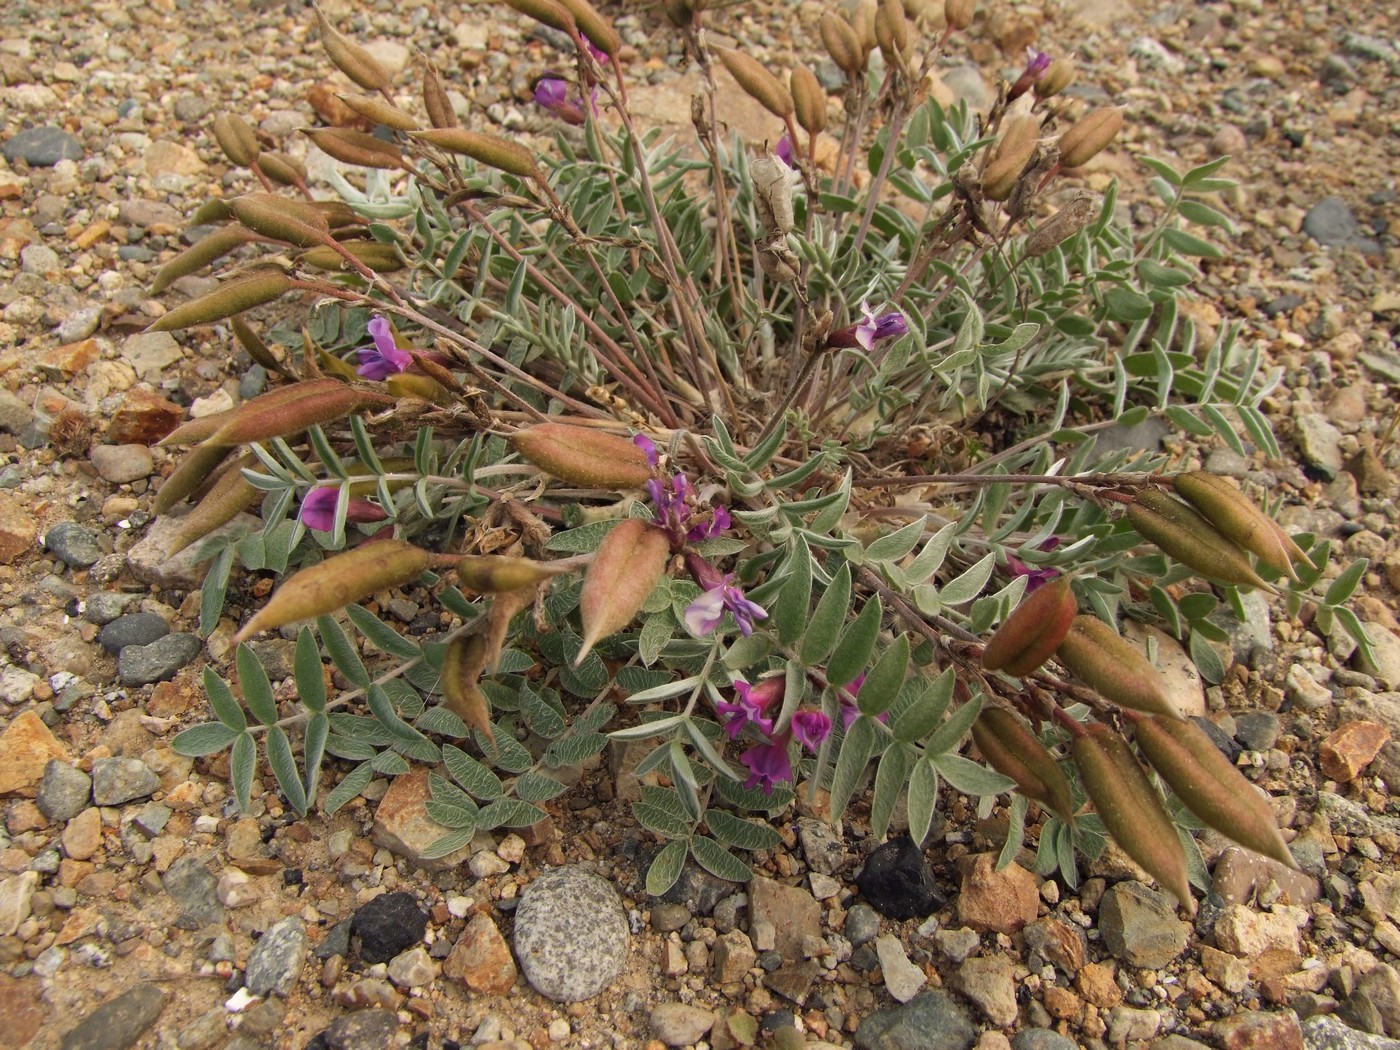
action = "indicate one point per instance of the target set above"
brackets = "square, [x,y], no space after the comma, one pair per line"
[1037,62]
[552,93]
[1034,577]
[383,359]
[673,496]
[870,330]
[598,53]
[783,150]
[703,615]
[850,710]
[318,509]
[810,728]
[768,765]
[753,702]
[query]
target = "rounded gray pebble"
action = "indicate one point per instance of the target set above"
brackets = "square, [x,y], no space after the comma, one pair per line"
[1040,1039]
[140,628]
[277,959]
[74,544]
[571,934]
[161,659]
[102,607]
[862,925]
[42,147]
[118,780]
[64,791]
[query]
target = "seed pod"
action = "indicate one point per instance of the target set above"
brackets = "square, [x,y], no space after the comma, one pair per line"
[1131,809]
[809,100]
[1236,516]
[193,470]
[772,192]
[1090,134]
[892,30]
[215,210]
[1182,533]
[842,44]
[1058,76]
[351,59]
[355,147]
[630,561]
[255,347]
[1077,213]
[1010,157]
[383,258]
[282,169]
[462,664]
[230,495]
[292,417]
[492,574]
[491,150]
[594,26]
[1210,786]
[424,388]
[281,218]
[200,254]
[203,427]
[1296,554]
[863,21]
[765,88]
[1014,751]
[1108,664]
[435,100]
[342,579]
[958,13]
[338,213]
[231,297]
[679,12]
[378,111]
[548,12]
[1033,632]
[238,141]
[583,456]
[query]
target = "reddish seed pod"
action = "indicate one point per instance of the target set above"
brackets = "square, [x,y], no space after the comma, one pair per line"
[630,561]
[1033,632]
[1013,750]
[1108,664]
[583,456]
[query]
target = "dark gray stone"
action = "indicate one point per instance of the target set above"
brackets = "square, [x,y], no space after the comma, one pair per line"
[1041,1039]
[387,925]
[42,147]
[362,1030]
[193,887]
[277,958]
[140,628]
[118,1023]
[64,792]
[162,659]
[118,780]
[74,544]
[1257,730]
[337,941]
[932,1020]
[862,925]
[1140,927]
[571,934]
[898,882]
[697,889]
[1332,224]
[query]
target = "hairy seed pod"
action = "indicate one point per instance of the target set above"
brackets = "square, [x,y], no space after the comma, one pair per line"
[491,150]
[1089,134]
[355,147]
[292,417]
[351,59]
[1109,664]
[1296,554]
[203,427]
[863,21]
[200,254]
[1131,809]
[255,347]
[958,13]
[462,663]
[236,138]
[630,561]
[193,470]
[762,85]
[583,456]
[424,388]
[679,13]
[231,297]
[591,23]
[491,574]
[341,580]
[337,213]
[230,495]
[1014,751]
[282,169]
[215,210]
[380,257]
[1210,785]
[1033,632]
[1058,76]
[1077,213]
[1179,531]
[1236,516]
[281,218]
[892,30]
[377,111]
[435,100]
[1010,157]
[809,100]
[547,12]
[842,44]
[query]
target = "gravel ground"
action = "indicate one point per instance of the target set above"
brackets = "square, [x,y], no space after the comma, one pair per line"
[139,908]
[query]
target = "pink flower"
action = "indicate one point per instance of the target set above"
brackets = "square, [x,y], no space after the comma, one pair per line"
[768,765]
[1034,577]
[810,728]
[318,509]
[753,703]
[383,359]
[703,615]
[1037,62]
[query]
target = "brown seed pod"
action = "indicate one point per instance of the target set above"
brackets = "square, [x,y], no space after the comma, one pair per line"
[594,26]
[1108,664]
[215,210]
[1010,157]
[809,100]
[1089,135]
[1055,79]
[231,297]
[491,574]
[202,427]
[281,218]
[892,31]
[491,150]
[1179,531]
[1077,213]
[201,253]
[378,111]
[546,12]
[236,138]
[842,44]
[959,13]
[424,388]
[193,470]
[351,59]
[462,665]
[1210,786]
[1009,747]
[762,85]
[355,147]
[282,169]
[629,563]
[291,417]
[1237,518]
[435,100]
[863,22]
[231,494]
[1131,809]
[583,456]
[255,347]
[380,257]
[1033,632]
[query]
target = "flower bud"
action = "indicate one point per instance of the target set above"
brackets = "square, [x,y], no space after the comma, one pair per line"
[355,147]
[282,169]
[1089,134]
[1131,809]
[193,470]
[231,297]
[435,100]
[383,258]
[1180,532]
[1109,664]
[1210,785]
[377,111]
[281,218]
[583,456]
[1077,213]
[765,88]
[1010,157]
[259,422]
[629,563]
[200,254]
[842,44]
[491,574]
[236,138]
[593,25]
[226,499]
[1014,751]
[1059,76]
[1033,632]
[809,100]
[491,150]
[351,59]
[958,13]
[462,663]
[1236,517]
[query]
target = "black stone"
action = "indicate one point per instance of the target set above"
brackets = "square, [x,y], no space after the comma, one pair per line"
[1221,739]
[337,941]
[42,147]
[388,925]
[74,544]
[898,882]
[140,628]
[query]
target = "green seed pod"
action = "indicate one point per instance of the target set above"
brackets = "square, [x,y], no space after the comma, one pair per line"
[1210,786]
[238,141]
[1077,213]
[231,297]
[842,44]
[1131,809]
[1014,751]
[256,348]
[281,218]
[342,579]
[200,254]
[1108,664]
[1180,532]
[1090,134]
[809,100]
[546,12]
[491,150]
[435,100]
[762,85]
[282,169]
[203,427]
[462,663]
[355,147]
[1033,632]
[255,422]
[351,59]
[194,469]
[679,12]
[491,574]
[380,112]
[338,213]
[594,26]
[380,257]
[630,561]
[958,13]
[1055,79]
[1010,157]
[230,495]
[583,456]
[1236,516]
[424,388]
[215,210]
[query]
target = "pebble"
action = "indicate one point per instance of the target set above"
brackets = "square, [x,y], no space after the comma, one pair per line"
[412,968]
[1332,224]
[16,901]
[120,464]
[141,628]
[192,886]
[158,661]
[932,1020]
[898,882]
[118,780]
[78,325]
[42,147]
[697,889]
[361,1030]
[118,1023]
[680,1024]
[1257,730]
[38,259]
[571,934]
[1319,443]
[790,912]
[667,917]
[64,792]
[1324,1032]
[388,925]
[1041,1039]
[276,960]
[862,925]
[1140,926]
[102,607]
[16,685]
[1259,1030]
[999,901]
[821,846]
[74,544]
[903,979]
[481,959]
[989,981]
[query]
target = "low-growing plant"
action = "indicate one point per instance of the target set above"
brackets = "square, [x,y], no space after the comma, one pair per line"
[790,447]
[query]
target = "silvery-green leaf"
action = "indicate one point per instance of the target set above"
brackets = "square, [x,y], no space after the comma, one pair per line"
[741,833]
[666,867]
[306,671]
[257,690]
[824,626]
[342,653]
[856,749]
[852,652]
[969,777]
[718,861]
[353,783]
[241,769]
[284,768]
[923,795]
[890,776]
[222,700]
[380,634]
[205,739]
[884,680]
